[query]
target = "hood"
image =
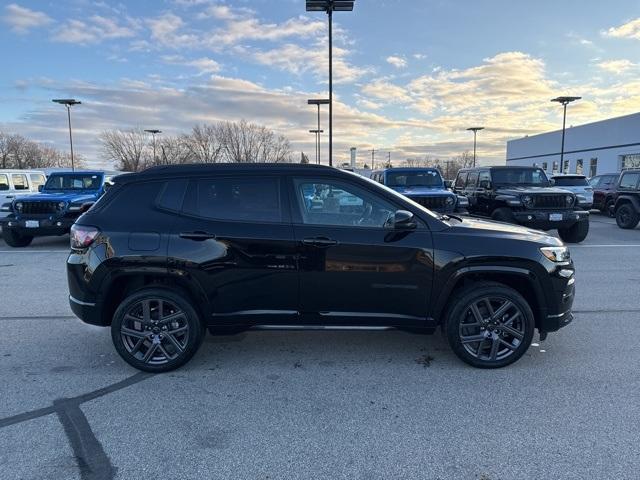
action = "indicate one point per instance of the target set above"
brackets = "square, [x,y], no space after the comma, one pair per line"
[490,229]
[61,196]
[516,190]
[422,191]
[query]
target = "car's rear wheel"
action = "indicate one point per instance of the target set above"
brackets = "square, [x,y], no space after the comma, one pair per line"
[489,325]
[156,330]
[576,232]
[627,217]
[15,239]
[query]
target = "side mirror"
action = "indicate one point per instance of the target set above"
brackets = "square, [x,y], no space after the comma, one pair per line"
[486,184]
[40,187]
[552,182]
[403,220]
[448,184]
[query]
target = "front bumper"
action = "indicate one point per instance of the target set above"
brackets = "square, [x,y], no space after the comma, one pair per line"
[542,219]
[45,226]
[561,297]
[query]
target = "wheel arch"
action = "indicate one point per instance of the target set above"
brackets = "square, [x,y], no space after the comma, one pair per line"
[624,199]
[523,280]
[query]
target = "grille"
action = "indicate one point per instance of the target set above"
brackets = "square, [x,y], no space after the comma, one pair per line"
[432,203]
[549,201]
[39,207]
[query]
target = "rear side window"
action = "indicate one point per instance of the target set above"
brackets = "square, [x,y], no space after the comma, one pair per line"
[132,200]
[242,198]
[629,180]
[19,181]
[4,182]
[473,179]
[172,195]
[37,179]
[461,180]
[571,182]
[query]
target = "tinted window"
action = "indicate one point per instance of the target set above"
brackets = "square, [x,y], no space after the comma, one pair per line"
[4,182]
[461,180]
[418,178]
[173,194]
[238,198]
[19,181]
[571,181]
[132,200]
[522,176]
[484,176]
[472,181]
[629,180]
[329,202]
[37,179]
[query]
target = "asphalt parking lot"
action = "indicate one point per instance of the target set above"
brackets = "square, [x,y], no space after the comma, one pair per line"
[356,405]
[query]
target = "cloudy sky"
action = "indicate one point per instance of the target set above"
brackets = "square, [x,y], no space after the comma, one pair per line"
[409,75]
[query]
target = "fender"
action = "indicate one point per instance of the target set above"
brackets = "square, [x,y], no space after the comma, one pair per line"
[628,198]
[460,273]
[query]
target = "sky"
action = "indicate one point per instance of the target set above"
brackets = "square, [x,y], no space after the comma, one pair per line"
[409,75]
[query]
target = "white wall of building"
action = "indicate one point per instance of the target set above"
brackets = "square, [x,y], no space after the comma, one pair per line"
[600,147]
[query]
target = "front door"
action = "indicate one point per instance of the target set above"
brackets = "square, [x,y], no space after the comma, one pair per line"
[354,267]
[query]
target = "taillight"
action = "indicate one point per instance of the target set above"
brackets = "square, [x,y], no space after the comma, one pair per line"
[82,236]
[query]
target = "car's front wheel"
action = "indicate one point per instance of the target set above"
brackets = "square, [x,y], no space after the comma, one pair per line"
[575,233]
[489,325]
[627,217]
[156,330]
[15,239]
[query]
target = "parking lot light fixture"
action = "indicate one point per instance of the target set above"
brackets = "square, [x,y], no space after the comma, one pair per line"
[68,102]
[318,102]
[564,101]
[154,132]
[475,131]
[330,6]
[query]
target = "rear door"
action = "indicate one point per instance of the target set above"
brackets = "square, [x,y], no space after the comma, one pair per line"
[234,237]
[354,268]
[471,191]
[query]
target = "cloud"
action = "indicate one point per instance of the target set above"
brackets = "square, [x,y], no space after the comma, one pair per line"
[238,30]
[631,29]
[21,19]
[166,32]
[203,64]
[383,90]
[616,66]
[95,30]
[397,61]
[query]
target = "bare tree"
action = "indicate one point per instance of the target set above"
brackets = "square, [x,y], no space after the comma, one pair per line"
[175,150]
[126,148]
[245,142]
[204,143]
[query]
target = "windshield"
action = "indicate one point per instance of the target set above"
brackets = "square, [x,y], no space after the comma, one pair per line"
[77,181]
[418,178]
[520,176]
[570,181]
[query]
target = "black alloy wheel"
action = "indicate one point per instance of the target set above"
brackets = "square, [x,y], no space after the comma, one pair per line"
[490,325]
[156,330]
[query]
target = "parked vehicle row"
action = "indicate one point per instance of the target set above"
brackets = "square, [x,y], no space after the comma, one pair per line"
[15,184]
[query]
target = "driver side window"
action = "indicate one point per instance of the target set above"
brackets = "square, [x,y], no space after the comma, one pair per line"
[331,202]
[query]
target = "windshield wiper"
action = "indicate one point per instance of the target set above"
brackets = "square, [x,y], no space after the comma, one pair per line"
[449,217]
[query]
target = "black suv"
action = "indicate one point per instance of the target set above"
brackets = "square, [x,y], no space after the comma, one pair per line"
[174,250]
[627,199]
[525,196]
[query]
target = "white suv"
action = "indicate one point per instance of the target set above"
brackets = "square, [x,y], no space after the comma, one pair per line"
[578,185]
[16,183]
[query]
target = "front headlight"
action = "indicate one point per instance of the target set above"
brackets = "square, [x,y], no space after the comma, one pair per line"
[556,254]
[527,200]
[19,206]
[569,199]
[463,201]
[450,201]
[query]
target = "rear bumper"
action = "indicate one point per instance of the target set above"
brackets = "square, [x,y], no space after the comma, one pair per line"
[88,312]
[541,219]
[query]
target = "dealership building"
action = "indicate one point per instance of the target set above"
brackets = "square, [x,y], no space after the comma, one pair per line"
[607,146]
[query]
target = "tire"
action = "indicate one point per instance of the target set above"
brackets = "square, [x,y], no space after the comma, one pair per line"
[503,214]
[609,204]
[166,340]
[627,216]
[15,239]
[576,233]
[486,346]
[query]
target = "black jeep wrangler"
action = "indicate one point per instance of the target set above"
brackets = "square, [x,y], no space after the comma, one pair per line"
[523,195]
[172,251]
[627,206]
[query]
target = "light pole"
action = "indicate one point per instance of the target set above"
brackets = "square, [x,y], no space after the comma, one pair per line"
[317,133]
[564,101]
[318,102]
[330,6]
[68,102]
[475,131]
[153,132]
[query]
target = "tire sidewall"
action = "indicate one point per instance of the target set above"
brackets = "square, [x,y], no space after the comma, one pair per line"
[15,239]
[633,217]
[461,304]
[196,328]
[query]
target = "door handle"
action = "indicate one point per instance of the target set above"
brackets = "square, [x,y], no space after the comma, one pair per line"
[198,236]
[320,242]
[9,196]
